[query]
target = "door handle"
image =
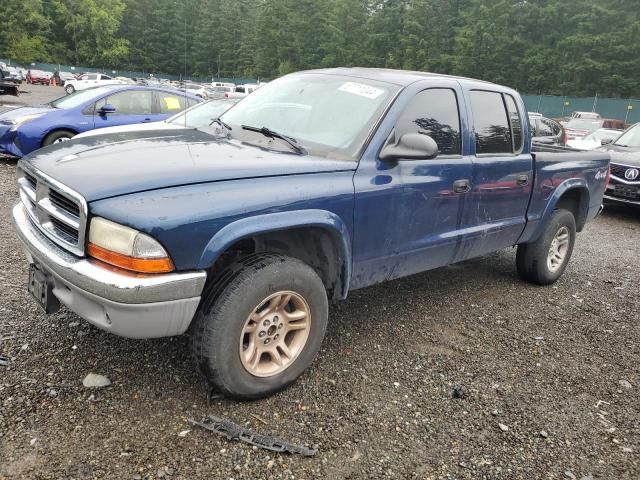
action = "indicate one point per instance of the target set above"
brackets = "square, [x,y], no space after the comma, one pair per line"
[461,186]
[522,180]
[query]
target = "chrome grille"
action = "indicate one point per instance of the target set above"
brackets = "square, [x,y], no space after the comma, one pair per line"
[59,212]
[618,172]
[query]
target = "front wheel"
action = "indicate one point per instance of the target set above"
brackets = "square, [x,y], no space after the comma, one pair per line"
[69,89]
[543,262]
[261,327]
[58,136]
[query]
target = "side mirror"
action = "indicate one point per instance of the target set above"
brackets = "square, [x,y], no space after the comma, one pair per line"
[606,141]
[411,146]
[106,109]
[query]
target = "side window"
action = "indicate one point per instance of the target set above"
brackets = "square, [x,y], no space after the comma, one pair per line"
[553,126]
[492,131]
[171,103]
[516,122]
[191,103]
[543,129]
[131,102]
[92,77]
[84,77]
[433,112]
[105,77]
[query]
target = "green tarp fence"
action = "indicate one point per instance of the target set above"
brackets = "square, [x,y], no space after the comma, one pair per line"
[557,107]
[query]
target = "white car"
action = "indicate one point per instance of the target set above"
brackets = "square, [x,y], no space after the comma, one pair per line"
[195,89]
[223,84]
[199,115]
[595,139]
[242,91]
[89,80]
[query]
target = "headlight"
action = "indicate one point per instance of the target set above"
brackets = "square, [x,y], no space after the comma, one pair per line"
[126,248]
[24,119]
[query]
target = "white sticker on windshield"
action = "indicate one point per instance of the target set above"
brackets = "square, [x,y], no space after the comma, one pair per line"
[361,89]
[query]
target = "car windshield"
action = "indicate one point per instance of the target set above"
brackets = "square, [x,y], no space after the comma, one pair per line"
[328,115]
[584,124]
[78,98]
[202,114]
[631,138]
[600,135]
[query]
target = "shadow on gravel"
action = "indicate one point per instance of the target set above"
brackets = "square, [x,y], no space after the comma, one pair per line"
[627,213]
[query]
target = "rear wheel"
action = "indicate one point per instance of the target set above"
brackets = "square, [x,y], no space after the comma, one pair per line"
[58,136]
[261,326]
[69,89]
[543,262]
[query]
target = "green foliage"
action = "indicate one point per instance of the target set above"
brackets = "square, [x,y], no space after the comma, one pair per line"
[24,29]
[549,46]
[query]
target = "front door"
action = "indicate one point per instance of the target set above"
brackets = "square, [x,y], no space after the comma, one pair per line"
[132,106]
[407,212]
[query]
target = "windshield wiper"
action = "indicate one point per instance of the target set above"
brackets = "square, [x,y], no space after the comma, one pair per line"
[221,122]
[292,142]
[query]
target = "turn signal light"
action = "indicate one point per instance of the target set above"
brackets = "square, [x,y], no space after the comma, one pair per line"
[142,265]
[126,248]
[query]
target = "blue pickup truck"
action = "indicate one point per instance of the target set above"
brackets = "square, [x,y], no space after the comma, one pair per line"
[321,182]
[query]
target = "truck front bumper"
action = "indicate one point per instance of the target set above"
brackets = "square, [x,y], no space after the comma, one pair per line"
[126,304]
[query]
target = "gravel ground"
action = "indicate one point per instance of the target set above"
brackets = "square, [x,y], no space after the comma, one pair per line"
[550,381]
[30,95]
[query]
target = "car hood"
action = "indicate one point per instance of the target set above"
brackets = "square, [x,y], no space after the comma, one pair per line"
[108,166]
[10,115]
[624,155]
[136,127]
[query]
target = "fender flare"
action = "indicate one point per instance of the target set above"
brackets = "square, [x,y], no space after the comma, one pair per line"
[566,186]
[272,222]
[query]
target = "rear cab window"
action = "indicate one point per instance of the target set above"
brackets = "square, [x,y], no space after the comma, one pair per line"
[497,123]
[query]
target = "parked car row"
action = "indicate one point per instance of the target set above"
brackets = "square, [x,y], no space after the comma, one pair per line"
[25,129]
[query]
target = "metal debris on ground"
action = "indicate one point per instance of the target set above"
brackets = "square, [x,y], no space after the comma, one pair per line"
[233,431]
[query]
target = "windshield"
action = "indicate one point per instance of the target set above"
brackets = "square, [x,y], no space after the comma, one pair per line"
[600,135]
[584,124]
[202,114]
[78,98]
[631,138]
[328,115]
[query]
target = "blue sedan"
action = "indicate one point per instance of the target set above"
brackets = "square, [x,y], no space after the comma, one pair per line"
[26,129]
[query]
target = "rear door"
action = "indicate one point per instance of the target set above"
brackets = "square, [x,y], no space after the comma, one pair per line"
[495,210]
[132,106]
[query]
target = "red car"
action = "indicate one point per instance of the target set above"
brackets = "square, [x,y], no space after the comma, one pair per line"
[38,76]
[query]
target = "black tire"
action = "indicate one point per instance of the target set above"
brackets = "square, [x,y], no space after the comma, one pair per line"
[57,136]
[69,89]
[227,303]
[531,258]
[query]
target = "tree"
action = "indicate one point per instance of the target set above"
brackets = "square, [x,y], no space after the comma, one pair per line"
[91,27]
[24,30]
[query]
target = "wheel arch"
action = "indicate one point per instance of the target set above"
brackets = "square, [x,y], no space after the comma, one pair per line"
[57,128]
[317,237]
[572,195]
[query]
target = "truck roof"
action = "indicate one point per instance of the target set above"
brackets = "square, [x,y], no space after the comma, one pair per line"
[398,77]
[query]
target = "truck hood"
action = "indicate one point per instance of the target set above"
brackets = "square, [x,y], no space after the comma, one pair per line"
[624,155]
[111,165]
[135,127]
